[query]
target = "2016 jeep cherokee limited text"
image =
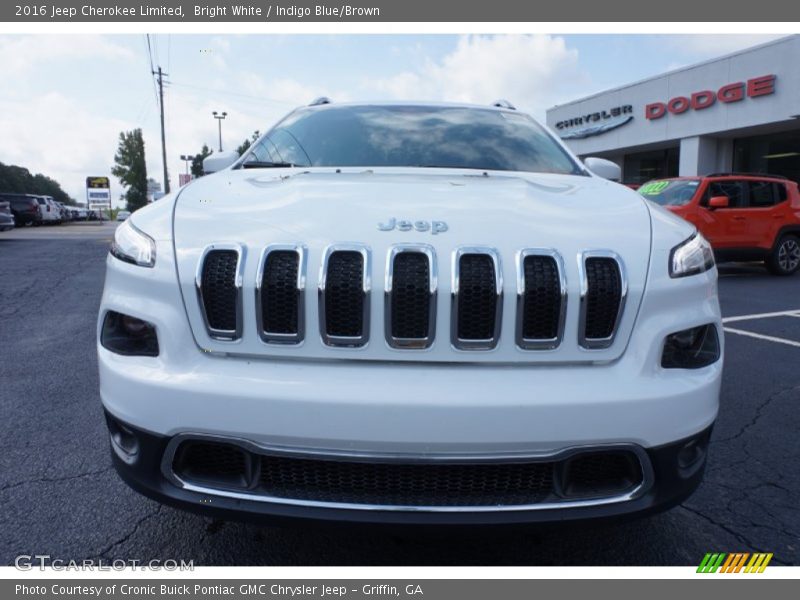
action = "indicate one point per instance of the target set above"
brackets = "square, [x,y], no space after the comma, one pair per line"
[409,314]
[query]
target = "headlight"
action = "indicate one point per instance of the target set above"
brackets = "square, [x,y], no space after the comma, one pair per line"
[691,257]
[133,246]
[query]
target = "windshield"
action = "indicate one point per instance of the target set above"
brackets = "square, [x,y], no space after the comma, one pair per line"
[670,192]
[411,136]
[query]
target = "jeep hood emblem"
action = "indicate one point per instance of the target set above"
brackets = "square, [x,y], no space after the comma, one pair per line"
[435,227]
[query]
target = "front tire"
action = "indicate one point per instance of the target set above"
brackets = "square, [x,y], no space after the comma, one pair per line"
[785,257]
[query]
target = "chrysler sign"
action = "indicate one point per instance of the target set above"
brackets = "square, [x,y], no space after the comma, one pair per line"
[595,123]
[727,94]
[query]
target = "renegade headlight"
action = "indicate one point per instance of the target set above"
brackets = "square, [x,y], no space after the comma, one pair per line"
[691,257]
[133,246]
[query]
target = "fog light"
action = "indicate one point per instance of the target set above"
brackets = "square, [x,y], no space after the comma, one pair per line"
[123,440]
[691,348]
[128,335]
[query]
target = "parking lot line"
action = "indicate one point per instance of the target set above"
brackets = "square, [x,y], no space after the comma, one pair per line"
[785,313]
[760,336]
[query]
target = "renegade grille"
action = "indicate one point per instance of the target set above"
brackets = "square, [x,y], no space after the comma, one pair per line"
[603,300]
[590,474]
[409,312]
[219,292]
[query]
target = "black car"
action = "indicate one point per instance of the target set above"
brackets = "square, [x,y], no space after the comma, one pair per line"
[6,218]
[24,207]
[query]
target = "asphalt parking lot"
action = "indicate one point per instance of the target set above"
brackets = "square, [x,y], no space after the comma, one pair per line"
[60,496]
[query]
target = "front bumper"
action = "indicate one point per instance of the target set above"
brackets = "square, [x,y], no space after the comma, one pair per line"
[669,479]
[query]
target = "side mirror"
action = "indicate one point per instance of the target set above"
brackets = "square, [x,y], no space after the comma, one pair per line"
[603,168]
[719,202]
[219,161]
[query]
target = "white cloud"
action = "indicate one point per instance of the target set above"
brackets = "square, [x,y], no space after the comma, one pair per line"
[528,70]
[23,54]
[55,135]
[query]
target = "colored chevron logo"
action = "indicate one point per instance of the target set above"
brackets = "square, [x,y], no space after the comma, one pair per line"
[735,562]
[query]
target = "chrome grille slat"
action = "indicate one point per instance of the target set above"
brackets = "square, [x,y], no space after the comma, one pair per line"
[603,293]
[477,309]
[541,299]
[344,295]
[280,294]
[219,290]
[410,296]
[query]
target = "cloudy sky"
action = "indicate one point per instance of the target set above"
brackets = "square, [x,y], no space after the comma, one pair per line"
[72,95]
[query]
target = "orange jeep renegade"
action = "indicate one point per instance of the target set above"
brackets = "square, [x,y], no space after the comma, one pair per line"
[745,217]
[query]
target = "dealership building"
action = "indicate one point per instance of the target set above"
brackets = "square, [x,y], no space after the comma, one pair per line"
[737,113]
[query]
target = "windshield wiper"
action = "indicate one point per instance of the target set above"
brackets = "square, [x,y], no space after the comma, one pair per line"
[262,164]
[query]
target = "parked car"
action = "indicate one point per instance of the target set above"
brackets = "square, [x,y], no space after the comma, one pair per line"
[745,217]
[453,320]
[51,215]
[25,208]
[123,214]
[6,218]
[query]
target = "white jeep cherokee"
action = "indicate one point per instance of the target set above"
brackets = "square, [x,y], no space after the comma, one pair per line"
[409,313]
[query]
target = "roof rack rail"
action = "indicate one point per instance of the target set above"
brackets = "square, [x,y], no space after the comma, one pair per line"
[743,174]
[319,101]
[504,104]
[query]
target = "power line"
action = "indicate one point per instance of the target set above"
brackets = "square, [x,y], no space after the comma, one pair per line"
[152,68]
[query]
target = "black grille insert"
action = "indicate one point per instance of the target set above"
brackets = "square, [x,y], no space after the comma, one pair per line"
[477,298]
[542,300]
[591,474]
[603,297]
[411,296]
[344,297]
[280,296]
[222,464]
[220,295]
[600,473]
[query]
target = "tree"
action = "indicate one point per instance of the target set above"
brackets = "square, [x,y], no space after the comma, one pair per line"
[197,161]
[131,168]
[247,143]
[15,179]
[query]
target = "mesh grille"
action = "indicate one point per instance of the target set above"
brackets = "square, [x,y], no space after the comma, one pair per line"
[279,293]
[218,284]
[598,473]
[411,297]
[594,474]
[406,484]
[541,309]
[344,294]
[477,297]
[212,462]
[604,295]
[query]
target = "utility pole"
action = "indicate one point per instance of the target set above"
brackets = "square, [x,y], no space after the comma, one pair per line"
[161,76]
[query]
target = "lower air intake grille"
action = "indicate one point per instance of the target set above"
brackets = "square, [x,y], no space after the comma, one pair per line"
[280,296]
[407,484]
[593,473]
[220,295]
[344,295]
[477,297]
[603,298]
[541,301]
[411,296]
